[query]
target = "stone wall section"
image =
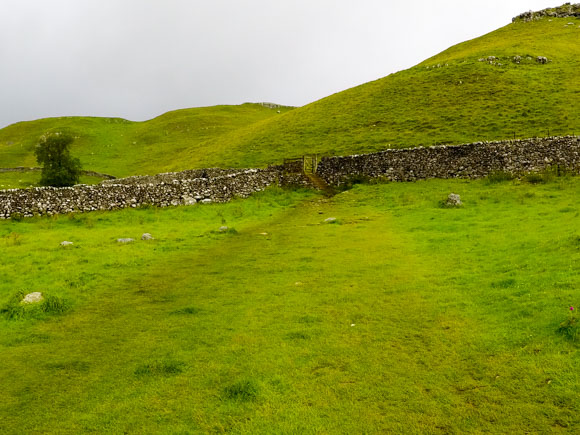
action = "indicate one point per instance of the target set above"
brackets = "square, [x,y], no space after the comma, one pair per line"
[163,190]
[474,160]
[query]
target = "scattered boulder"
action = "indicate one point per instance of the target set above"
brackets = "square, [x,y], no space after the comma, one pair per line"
[66,243]
[125,240]
[147,236]
[330,220]
[223,229]
[453,200]
[32,298]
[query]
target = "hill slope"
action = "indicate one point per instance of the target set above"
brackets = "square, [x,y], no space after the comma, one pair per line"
[492,87]
[122,147]
[450,98]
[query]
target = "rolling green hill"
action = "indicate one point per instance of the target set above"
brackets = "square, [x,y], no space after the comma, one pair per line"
[123,148]
[476,90]
[450,98]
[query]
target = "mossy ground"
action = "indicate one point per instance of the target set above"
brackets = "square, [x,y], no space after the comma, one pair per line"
[401,316]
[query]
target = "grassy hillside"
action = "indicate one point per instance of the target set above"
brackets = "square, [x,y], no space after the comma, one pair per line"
[399,317]
[120,147]
[449,99]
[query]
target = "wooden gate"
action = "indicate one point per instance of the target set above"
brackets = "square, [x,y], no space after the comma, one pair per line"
[310,164]
[304,164]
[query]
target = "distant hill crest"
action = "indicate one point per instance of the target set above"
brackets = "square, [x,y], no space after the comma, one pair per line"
[564,11]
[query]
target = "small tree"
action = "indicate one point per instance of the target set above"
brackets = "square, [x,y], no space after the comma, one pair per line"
[59,169]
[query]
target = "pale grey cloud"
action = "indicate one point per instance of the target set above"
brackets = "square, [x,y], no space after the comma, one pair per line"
[139,58]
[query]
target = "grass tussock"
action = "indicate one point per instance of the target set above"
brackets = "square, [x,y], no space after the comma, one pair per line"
[499,177]
[15,309]
[165,367]
[570,327]
[245,390]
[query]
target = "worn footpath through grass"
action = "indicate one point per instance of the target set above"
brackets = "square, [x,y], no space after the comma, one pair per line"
[398,316]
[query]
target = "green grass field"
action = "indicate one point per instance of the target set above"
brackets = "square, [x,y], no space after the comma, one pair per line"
[401,316]
[463,100]
[22,180]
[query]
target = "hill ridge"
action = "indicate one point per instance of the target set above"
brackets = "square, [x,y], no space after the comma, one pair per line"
[565,11]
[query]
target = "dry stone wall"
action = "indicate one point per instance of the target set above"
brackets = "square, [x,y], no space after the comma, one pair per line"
[474,160]
[162,190]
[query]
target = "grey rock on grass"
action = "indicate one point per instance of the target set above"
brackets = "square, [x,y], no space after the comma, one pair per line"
[32,298]
[454,200]
[125,240]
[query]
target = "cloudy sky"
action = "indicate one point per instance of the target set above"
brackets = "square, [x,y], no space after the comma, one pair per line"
[137,59]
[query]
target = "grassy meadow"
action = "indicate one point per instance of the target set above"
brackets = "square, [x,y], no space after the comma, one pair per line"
[399,316]
[23,180]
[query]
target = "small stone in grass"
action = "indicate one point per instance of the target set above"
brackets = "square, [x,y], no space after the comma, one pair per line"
[32,298]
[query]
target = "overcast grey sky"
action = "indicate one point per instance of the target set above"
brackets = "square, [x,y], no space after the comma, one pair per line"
[137,59]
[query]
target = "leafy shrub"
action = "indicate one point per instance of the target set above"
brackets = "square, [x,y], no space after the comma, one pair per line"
[59,168]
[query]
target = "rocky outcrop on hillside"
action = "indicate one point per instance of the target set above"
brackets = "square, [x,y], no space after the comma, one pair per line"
[564,11]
